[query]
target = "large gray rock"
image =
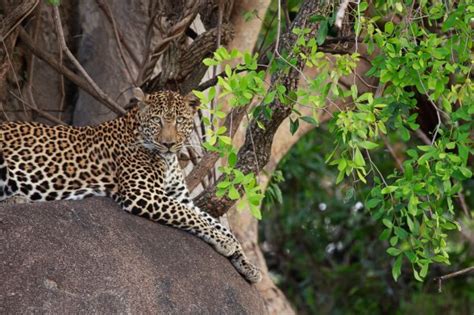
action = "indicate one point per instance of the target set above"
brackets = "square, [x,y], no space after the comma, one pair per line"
[91,257]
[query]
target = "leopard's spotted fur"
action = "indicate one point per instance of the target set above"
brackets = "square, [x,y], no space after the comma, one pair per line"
[132,159]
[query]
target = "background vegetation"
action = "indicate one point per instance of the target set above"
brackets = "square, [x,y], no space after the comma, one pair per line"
[324,249]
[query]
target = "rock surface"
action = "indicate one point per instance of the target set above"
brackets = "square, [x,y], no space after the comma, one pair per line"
[91,257]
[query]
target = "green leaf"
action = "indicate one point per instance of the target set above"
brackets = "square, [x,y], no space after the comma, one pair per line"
[354,91]
[310,120]
[408,170]
[424,270]
[212,140]
[340,177]
[440,259]
[269,98]
[397,268]
[238,176]
[221,130]
[322,32]
[467,173]
[368,145]
[225,139]
[392,251]
[399,7]
[389,189]
[404,133]
[387,223]
[210,62]
[412,153]
[410,223]
[315,18]
[363,6]
[412,204]
[233,193]
[202,97]
[416,275]
[54,2]
[385,234]
[393,240]
[223,184]
[388,28]
[294,125]
[361,176]
[224,84]
[232,159]
[372,203]
[358,158]
[401,233]
[211,93]
[449,22]
[411,256]
[278,195]
[424,148]
[255,211]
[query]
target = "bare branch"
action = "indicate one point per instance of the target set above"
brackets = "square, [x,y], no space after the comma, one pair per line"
[173,33]
[452,275]
[394,154]
[463,205]
[98,90]
[74,78]
[36,109]
[423,136]
[16,16]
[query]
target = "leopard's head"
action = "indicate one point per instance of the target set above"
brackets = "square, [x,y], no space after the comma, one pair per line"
[165,119]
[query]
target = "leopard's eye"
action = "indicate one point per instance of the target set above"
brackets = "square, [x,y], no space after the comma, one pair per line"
[179,119]
[156,121]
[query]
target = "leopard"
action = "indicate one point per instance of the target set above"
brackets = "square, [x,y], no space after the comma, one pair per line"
[132,159]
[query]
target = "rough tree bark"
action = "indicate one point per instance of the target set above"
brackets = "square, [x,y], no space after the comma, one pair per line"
[155,45]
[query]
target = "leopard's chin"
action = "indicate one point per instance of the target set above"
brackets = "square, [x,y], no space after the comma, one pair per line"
[165,153]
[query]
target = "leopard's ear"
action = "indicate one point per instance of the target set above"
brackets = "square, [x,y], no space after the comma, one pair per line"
[140,96]
[192,100]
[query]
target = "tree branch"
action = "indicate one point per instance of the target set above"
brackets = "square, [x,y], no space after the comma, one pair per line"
[16,16]
[35,108]
[252,157]
[452,275]
[74,78]
[62,40]
[209,160]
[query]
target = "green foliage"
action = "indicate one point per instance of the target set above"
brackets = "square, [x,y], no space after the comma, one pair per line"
[54,2]
[424,56]
[243,88]
[324,250]
[415,205]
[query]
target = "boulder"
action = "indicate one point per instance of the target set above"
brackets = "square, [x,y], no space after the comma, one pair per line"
[89,256]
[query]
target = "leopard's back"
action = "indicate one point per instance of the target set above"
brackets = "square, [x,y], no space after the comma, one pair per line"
[43,162]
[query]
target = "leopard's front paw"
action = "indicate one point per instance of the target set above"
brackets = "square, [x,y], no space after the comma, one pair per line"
[251,273]
[226,247]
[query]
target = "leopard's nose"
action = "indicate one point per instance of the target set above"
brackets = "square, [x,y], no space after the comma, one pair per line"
[169,145]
